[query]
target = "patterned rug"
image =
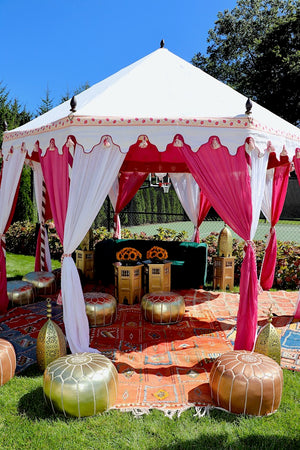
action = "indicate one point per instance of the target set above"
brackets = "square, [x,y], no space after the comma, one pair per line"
[162,366]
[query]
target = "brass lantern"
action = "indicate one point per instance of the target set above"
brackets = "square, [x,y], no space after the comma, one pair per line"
[268,341]
[51,342]
[225,243]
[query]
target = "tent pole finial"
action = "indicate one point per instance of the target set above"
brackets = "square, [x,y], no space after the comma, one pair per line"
[5,125]
[162,43]
[248,106]
[73,104]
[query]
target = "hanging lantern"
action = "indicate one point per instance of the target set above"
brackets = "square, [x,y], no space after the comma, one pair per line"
[225,243]
[268,341]
[51,342]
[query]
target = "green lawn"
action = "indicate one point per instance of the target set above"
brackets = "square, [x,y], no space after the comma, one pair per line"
[18,265]
[26,422]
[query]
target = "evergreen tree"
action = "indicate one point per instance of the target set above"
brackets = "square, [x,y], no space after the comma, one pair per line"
[46,105]
[147,200]
[24,207]
[154,207]
[67,96]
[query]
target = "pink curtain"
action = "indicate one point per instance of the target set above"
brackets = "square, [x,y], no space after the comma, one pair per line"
[204,207]
[280,184]
[296,161]
[225,181]
[129,184]
[56,175]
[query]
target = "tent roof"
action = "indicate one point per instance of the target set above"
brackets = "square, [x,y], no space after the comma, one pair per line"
[161,86]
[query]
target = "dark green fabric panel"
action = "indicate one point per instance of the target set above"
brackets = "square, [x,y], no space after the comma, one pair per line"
[190,260]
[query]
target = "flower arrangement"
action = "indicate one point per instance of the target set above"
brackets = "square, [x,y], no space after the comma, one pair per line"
[157,254]
[128,255]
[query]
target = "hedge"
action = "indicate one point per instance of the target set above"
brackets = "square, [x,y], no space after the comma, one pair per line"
[21,239]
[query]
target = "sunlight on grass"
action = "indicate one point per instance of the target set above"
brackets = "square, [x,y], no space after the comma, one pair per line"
[19,265]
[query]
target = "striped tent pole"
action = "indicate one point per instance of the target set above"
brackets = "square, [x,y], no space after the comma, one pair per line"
[43,229]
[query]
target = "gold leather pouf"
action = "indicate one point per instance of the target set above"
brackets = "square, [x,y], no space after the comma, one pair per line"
[100,308]
[43,282]
[7,361]
[20,292]
[51,342]
[245,382]
[82,384]
[163,307]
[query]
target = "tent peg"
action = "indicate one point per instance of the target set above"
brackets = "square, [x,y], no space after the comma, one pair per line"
[73,104]
[248,106]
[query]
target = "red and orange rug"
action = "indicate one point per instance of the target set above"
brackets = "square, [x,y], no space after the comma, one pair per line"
[163,366]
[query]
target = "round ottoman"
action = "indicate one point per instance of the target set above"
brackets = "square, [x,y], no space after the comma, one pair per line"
[20,292]
[245,382]
[100,308]
[43,282]
[7,361]
[80,385]
[163,307]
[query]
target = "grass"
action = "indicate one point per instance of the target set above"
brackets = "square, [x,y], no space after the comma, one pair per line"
[19,265]
[27,422]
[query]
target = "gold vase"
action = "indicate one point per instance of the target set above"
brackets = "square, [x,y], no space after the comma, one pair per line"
[51,342]
[225,243]
[268,341]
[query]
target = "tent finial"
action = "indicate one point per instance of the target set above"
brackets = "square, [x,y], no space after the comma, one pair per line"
[5,125]
[162,43]
[248,106]
[73,104]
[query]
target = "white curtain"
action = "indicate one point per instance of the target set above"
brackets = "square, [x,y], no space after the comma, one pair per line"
[38,182]
[188,192]
[92,177]
[12,169]
[259,165]
[266,205]
[113,196]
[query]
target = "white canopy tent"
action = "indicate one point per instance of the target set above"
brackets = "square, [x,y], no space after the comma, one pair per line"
[160,96]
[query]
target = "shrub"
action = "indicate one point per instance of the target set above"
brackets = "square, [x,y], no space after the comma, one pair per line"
[21,239]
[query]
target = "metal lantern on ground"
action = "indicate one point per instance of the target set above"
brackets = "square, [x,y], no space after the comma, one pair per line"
[51,342]
[225,242]
[268,341]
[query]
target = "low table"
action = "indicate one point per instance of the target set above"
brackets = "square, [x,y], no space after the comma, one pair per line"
[157,276]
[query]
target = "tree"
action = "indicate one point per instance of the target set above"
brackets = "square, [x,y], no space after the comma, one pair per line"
[255,49]
[46,105]
[24,208]
[11,112]
[77,91]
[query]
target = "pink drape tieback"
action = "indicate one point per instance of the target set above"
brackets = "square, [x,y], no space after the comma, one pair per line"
[251,244]
[65,255]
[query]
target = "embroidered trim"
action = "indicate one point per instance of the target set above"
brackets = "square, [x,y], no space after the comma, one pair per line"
[225,122]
